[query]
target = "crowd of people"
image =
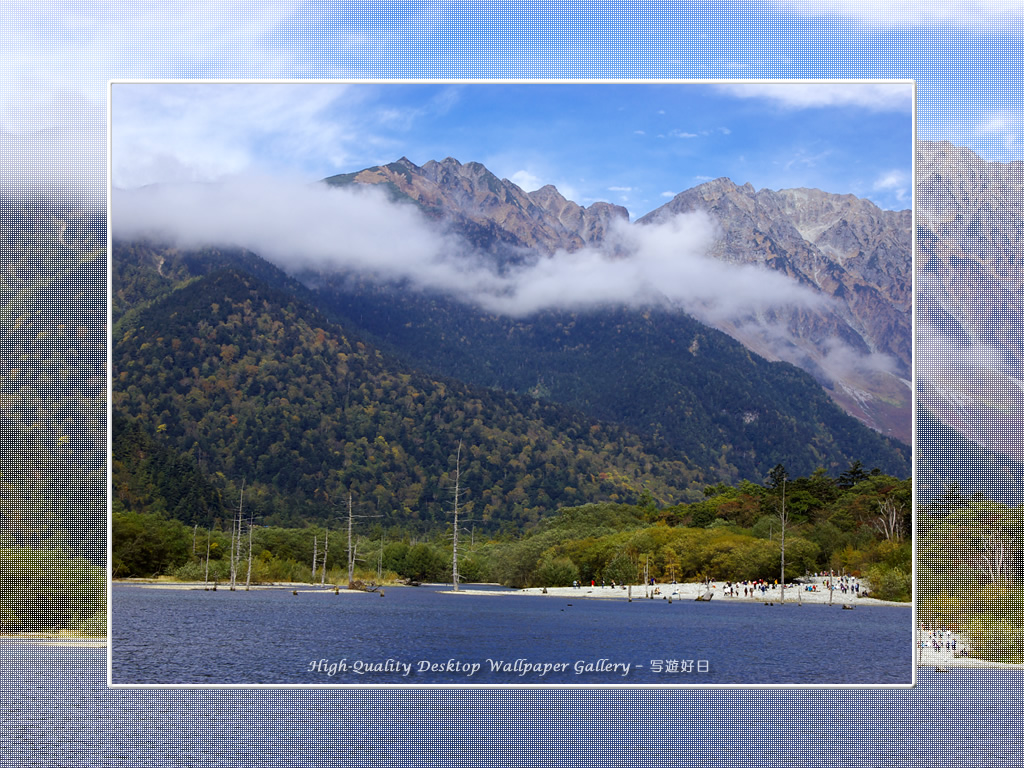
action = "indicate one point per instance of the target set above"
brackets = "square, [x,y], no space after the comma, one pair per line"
[759,588]
[938,640]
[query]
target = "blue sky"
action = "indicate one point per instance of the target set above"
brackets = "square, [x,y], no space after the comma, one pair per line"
[964,54]
[633,144]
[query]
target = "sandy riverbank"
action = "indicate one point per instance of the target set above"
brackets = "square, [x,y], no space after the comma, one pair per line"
[296,586]
[691,590]
[946,658]
[55,640]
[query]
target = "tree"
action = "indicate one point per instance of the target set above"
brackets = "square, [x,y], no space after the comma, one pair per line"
[777,478]
[890,519]
[621,570]
[855,474]
[556,571]
[455,525]
[996,554]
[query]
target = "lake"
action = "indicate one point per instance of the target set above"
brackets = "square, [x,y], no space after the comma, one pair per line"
[57,711]
[429,636]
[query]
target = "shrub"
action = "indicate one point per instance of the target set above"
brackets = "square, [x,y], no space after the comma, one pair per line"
[890,583]
[556,572]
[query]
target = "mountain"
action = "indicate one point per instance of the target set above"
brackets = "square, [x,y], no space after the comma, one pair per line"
[226,377]
[857,256]
[659,372]
[970,235]
[681,403]
[246,372]
[845,249]
[490,213]
[52,377]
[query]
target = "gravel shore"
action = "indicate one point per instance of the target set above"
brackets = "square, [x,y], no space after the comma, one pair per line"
[693,590]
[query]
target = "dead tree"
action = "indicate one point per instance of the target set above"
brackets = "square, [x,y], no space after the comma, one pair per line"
[783,520]
[777,478]
[248,572]
[995,556]
[323,569]
[236,538]
[455,527]
[889,521]
[351,545]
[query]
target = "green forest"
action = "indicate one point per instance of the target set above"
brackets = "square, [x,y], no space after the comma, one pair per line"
[52,415]
[247,383]
[858,523]
[970,554]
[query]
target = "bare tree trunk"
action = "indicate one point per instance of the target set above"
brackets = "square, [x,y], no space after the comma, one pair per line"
[455,527]
[236,538]
[994,557]
[351,554]
[890,519]
[248,572]
[783,519]
[313,571]
[323,570]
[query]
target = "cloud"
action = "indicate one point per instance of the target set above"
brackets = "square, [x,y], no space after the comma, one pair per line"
[526,181]
[297,226]
[76,46]
[964,356]
[1003,128]
[643,265]
[875,97]
[829,360]
[678,133]
[59,162]
[999,122]
[840,360]
[58,57]
[896,181]
[313,227]
[193,132]
[994,15]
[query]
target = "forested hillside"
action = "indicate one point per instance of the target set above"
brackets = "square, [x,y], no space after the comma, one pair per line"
[52,393]
[659,372]
[685,390]
[253,384]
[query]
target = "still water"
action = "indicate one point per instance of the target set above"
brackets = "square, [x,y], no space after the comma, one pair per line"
[57,711]
[426,635]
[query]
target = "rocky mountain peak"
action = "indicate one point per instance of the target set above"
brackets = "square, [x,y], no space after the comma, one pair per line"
[846,248]
[493,212]
[842,246]
[971,294]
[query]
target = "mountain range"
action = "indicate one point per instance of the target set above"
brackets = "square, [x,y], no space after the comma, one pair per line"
[309,381]
[970,232]
[854,255]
